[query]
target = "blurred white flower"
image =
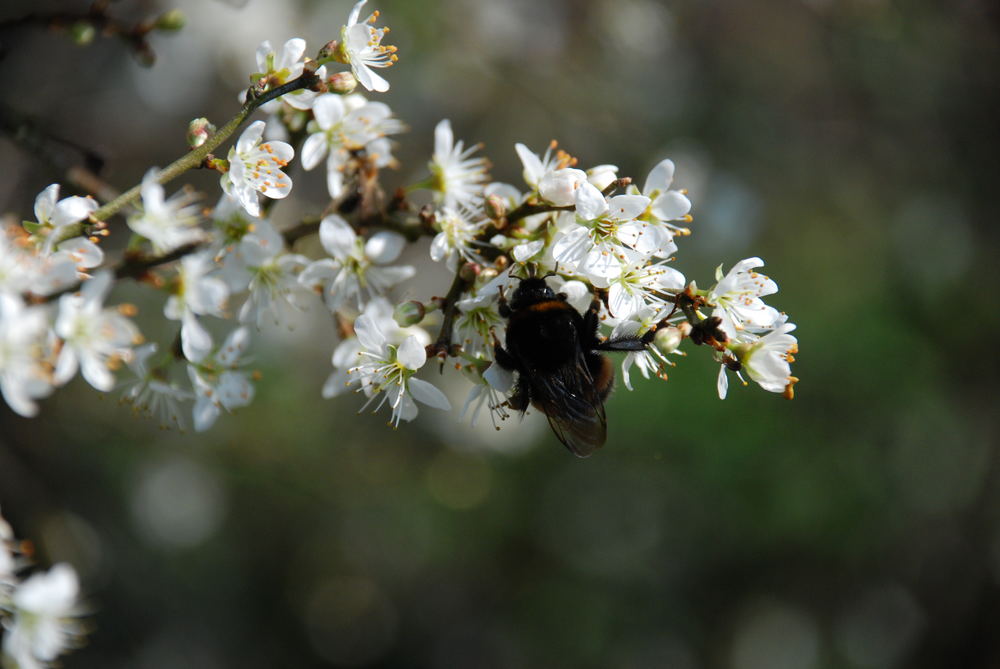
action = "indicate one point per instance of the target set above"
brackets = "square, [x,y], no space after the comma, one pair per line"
[218,382]
[358,270]
[255,166]
[44,624]
[167,224]
[197,294]
[54,215]
[274,277]
[94,339]
[151,394]
[24,349]
[343,124]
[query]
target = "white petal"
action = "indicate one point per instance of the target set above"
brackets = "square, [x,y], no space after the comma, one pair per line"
[590,204]
[671,206]
[329,110]
[533,169]
[660,177]
[292,52]
[385,246]
[205,413]
[444,139]
[337,236]
[411,353]
[97,374]
[627,207]
[236,345]
[369,334]
[313,150]
[45,203]
[251,137]
[196,342]
[428,393]
[72,210]
[722,383]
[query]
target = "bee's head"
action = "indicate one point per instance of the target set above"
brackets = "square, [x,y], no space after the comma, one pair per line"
[531,291]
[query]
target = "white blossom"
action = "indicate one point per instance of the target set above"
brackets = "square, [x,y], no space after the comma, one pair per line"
[95,339]
[282,68]
[219,383]
[456,239]
[361,46]
[196,294]
[490,390]
[151,393]
[359,270]
[388,371]
[24,348]
[274,277]
[737,295]
[44,624]
[767,360]
[167,224]
[54,215]
[255,167]
[592,242]
[458,178]
[640,283]
[343,124]
[345,355]
[665,204]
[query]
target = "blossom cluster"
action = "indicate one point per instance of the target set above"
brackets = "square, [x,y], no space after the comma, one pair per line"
[40,613]
[604,238]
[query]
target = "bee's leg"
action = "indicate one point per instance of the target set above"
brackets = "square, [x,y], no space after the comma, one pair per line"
[502,305]
[624,343]
[592,319]
[503,358]
[520,400]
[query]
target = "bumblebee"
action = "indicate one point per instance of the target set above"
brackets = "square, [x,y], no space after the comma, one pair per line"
[560,371]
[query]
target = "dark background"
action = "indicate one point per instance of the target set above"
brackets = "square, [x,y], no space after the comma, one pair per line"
[850,143]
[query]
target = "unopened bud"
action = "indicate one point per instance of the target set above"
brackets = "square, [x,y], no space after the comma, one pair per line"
[328,50]
[495,207]
[488,274]
[342,82]
[199,130]
[409,313]
[470,271]
[668,339]
[82,32]
[171,21]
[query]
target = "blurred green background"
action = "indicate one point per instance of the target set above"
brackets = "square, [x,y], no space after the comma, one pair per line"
[850,143]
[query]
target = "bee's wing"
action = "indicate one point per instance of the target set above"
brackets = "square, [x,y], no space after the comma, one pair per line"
[573,406]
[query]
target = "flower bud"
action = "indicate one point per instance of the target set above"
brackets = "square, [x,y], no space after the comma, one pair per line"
[409,313]
[559,187]
[328,51]
[602,176]
[494,207]
[668,339]
[199,130]
[470,271]
[342,82]
[171,21]
[82,33]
